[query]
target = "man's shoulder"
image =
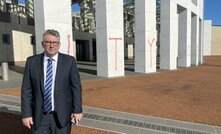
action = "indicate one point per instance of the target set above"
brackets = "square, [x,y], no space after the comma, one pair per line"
[65,56]
[35,56]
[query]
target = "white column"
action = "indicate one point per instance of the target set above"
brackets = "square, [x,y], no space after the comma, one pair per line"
[200,43]
[110,38]
[207,37]
[168,35]
[51,14]
[195,41]
[74,48]
[130,51]
[145,36]
[4,71]
[201,10]
[184,49]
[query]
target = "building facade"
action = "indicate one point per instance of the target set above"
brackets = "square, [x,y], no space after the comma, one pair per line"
[216,45]
[17,40]
[164,34]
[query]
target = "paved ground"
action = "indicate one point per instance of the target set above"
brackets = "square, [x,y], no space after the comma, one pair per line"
[115,121]
[191,94]
[87,72]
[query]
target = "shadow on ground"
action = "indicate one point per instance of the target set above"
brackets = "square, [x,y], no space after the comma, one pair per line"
[17,69]
[11,123]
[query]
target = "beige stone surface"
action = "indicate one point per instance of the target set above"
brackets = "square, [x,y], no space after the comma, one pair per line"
[216,40]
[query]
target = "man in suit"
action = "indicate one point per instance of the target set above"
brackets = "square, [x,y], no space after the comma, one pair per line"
[51,92]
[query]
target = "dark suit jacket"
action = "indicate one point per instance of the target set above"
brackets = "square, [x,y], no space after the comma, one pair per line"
[67,89]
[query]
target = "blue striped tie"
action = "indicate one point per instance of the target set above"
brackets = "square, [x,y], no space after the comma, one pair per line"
[48,87]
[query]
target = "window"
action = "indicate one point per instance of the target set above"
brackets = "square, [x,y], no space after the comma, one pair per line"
[6,38]
[33,40]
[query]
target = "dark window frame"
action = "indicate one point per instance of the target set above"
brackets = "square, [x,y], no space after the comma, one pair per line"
[6,39]
[33,40]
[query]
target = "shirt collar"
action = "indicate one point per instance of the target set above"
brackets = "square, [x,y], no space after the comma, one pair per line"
[54,58]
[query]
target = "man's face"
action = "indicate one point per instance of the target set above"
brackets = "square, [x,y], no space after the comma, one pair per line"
[51,45]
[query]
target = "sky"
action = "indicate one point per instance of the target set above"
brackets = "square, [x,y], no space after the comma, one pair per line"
[212,10]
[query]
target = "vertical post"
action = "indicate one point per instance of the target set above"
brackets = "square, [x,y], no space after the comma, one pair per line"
[49,14]
[130,53]
[145,36]
[195,41]
[207,37]
[4,71]
[184,41]
[109,28]
[168,34]
[200,42]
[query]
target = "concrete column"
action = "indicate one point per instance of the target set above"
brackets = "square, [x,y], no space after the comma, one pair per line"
[207,37]
[201,10]
[110,38]
[145,36]
[184,49]
[168,35]
[74,48]
[200,42]
[195,41]
[4,71]
[50,14]
[130,51]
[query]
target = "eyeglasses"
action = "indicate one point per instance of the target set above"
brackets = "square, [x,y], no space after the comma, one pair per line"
[48,43]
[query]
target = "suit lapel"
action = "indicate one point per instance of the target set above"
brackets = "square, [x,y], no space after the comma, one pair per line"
[59,69]
[41,70]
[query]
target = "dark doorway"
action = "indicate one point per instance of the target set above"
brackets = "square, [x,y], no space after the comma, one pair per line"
[94,50]
[82,47]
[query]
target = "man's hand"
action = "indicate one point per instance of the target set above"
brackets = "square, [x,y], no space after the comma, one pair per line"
[27,122]
[77,117]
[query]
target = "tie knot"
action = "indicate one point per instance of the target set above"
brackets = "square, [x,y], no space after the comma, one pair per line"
[49,60]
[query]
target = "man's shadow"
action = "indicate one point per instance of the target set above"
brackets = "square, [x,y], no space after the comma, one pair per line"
[11,123]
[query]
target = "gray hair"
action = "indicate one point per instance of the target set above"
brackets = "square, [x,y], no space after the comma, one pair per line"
[51,32]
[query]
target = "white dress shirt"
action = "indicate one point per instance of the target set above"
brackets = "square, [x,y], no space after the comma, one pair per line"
[54,68]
